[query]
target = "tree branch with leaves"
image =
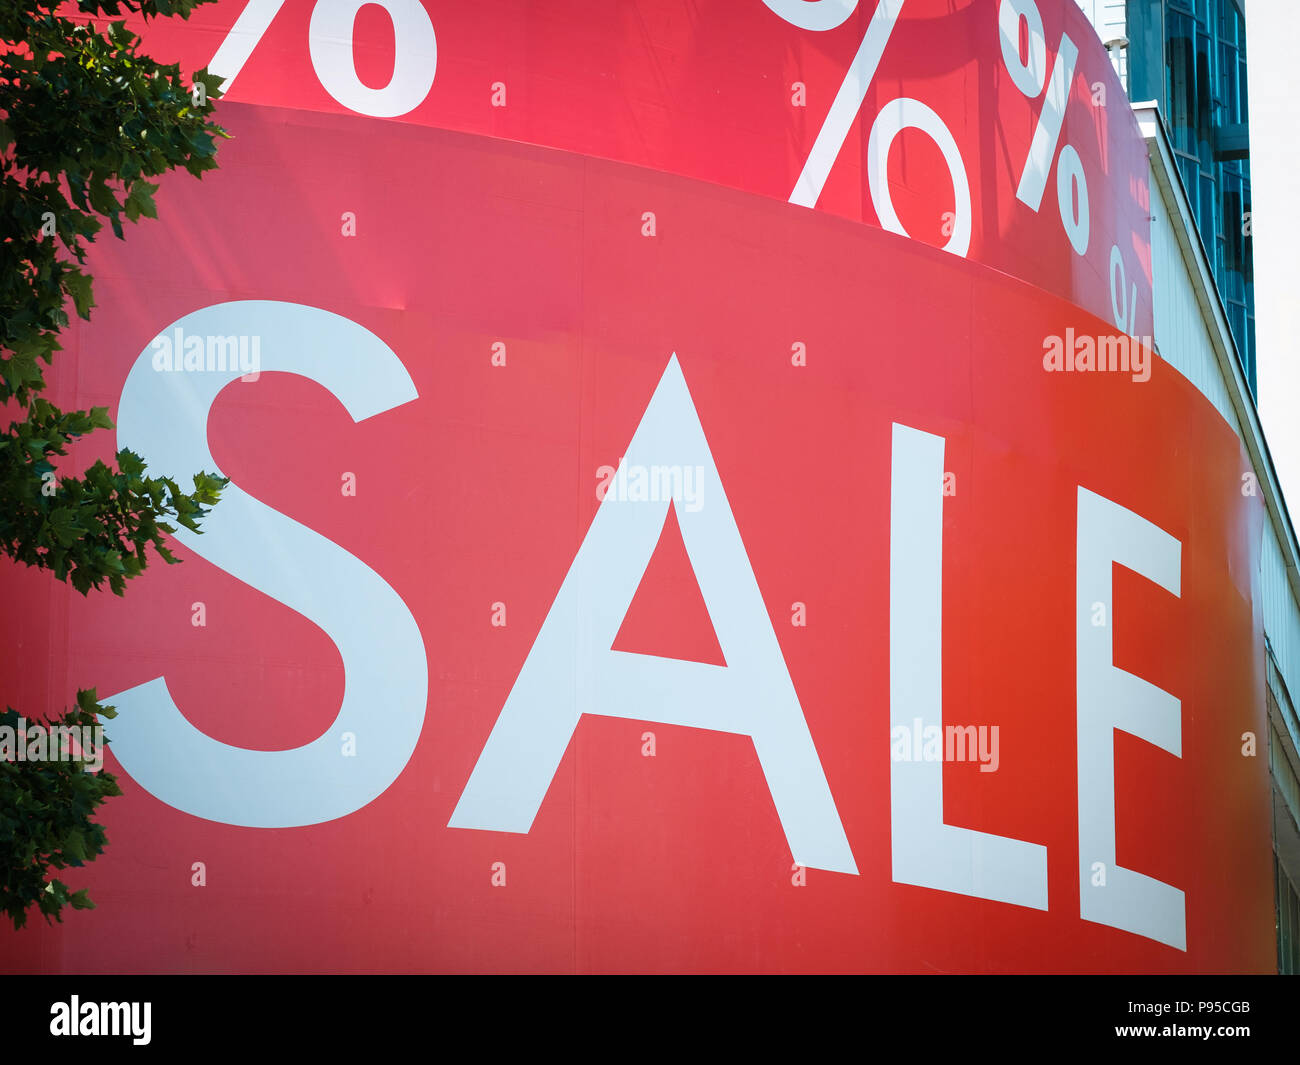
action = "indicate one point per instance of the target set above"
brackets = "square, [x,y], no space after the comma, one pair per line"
[85,121]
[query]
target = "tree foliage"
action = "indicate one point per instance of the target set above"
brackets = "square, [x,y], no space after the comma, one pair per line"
[45,819]
[85,121]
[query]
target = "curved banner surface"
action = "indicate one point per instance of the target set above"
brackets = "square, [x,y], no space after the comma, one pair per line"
[622,571]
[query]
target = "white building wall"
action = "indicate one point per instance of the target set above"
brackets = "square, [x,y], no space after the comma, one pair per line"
[1181,331]
[1108,19]
[1184,339]
[1106,15]
[1281,616]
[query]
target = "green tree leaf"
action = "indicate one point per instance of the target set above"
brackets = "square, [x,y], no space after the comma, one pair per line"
[85,121]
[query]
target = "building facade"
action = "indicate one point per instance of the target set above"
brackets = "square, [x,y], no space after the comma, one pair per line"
[1184,65]
[1188,58]
[796,507]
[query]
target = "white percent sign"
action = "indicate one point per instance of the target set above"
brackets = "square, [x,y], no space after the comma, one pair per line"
[1125,310]
[329,39]
[899,114]
[1030,77]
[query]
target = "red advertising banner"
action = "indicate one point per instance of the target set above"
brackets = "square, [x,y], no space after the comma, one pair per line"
[623,572]
[996,129]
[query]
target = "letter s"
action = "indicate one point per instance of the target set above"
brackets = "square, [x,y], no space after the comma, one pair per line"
[163,417]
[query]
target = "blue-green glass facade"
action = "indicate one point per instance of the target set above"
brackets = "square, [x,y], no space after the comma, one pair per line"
[1190,57]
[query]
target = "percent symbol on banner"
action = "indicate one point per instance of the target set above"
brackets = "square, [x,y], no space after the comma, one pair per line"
[329,40]
[1031,77]
[895,116]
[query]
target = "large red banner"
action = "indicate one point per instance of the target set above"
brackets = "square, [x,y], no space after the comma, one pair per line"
[994,128]
[621,572]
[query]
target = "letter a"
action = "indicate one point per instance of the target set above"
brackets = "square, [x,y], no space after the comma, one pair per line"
[570,669]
